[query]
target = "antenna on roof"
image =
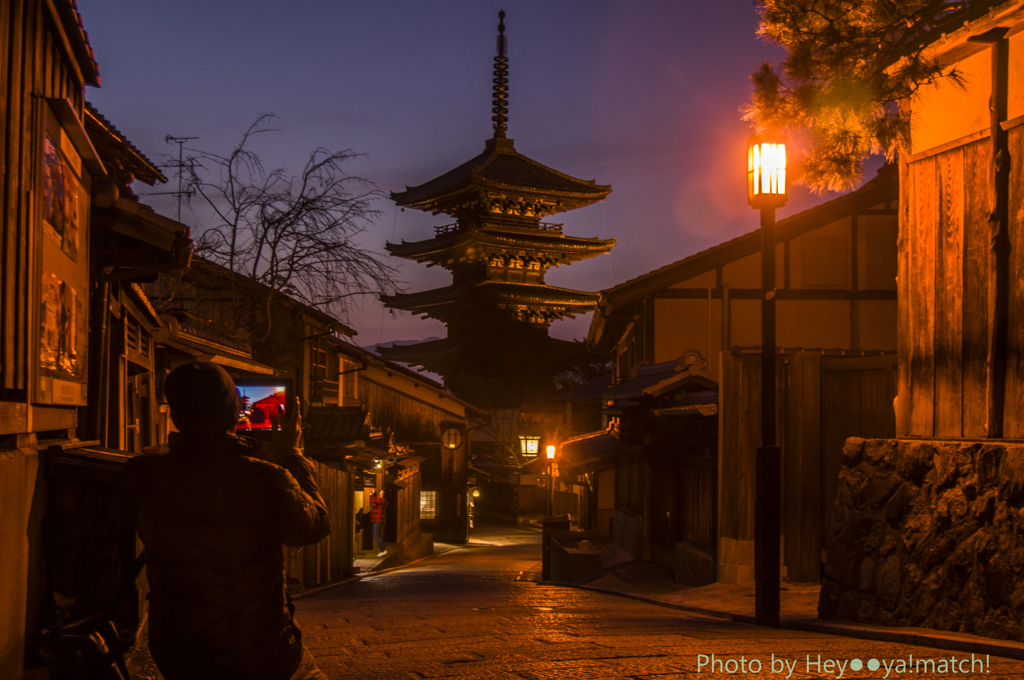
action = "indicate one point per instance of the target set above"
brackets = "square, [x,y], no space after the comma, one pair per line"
[500,108]
[180,165]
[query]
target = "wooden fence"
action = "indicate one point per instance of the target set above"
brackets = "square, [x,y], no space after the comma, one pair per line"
[330,559]
[822,400]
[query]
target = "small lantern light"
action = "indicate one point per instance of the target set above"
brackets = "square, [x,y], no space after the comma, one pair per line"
[766,171]
[551,452]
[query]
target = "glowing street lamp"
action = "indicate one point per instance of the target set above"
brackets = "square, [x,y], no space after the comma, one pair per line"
[550,451]
[766,172]
[766,191]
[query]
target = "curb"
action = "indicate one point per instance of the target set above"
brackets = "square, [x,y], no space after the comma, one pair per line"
[937,640]
[316,591]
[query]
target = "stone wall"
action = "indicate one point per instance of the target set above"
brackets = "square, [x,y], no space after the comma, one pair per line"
[929,534]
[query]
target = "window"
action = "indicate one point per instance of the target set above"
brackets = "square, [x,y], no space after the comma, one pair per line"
[529,446]
[348,379]
[428,505]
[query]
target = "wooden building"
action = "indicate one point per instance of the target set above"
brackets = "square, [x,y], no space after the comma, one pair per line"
[76,329]
[498,308]
[836,292]
[424,417]
[947,540]
[961,361]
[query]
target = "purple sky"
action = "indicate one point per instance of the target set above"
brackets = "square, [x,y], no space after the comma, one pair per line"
[642,95]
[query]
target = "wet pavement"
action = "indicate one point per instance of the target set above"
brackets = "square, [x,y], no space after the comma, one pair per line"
[479,612]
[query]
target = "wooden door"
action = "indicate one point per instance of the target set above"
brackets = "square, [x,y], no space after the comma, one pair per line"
[856,401]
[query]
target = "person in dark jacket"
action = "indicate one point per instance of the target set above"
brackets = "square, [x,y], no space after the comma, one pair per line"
[212,515]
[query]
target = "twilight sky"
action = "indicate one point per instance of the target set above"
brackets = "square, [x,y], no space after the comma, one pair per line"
[642,95]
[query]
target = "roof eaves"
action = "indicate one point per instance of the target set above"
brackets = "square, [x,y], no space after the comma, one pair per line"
[880,189]
[151,174]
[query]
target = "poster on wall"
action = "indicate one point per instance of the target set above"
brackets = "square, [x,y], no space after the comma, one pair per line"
[58,346]
[53,192]
[62,215]
[72,216]
[60,330]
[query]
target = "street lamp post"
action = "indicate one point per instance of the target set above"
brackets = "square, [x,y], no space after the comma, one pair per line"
[550,451]
[766,191]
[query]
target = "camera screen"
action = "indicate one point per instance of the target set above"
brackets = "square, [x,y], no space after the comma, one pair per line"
[262,407]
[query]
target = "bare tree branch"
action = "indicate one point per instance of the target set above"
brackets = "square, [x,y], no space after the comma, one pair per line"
[296,234]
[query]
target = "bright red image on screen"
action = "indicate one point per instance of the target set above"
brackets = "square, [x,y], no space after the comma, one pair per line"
[262,407]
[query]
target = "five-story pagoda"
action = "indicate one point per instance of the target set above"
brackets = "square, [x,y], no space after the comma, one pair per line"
[498,308]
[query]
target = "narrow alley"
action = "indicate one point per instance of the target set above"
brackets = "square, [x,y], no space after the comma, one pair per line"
[479,612]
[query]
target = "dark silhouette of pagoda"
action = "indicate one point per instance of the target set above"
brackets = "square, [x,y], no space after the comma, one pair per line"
[498,308]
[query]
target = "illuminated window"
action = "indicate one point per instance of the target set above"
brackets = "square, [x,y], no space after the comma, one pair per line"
[530,446]
[428,505]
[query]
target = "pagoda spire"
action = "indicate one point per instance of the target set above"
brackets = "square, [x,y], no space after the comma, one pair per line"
[500,101]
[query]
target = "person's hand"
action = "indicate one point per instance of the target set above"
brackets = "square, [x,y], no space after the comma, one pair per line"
[288,438]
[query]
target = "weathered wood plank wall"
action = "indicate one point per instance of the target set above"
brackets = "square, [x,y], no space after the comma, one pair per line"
[331,558]
[1013,418]
[944,311]
[949,274]
[34,66]
[802,465]
[977,205]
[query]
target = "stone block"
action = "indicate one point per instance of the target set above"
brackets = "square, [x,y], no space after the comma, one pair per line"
[880,452]
[1011,474]
[849,606]
[987,461]
[951,506]
[867,575]
[897,504]
[853,451]
[880,489]
[952,462]
[828,599]
[914,460]
[999,580]
[888,583]
[938,542]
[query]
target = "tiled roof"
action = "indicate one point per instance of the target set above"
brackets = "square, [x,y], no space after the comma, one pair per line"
[67,10]
[501,164]
[578,246]
[111,143]
[590,445]
[523,293]
[335,422]
[646,376]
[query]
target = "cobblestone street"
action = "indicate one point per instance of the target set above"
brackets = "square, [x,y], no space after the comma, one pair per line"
[478,612]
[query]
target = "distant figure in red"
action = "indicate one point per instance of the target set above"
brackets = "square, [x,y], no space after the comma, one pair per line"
[377,506]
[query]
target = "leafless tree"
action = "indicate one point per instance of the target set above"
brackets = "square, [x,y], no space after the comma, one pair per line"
[295,234]
[504,429]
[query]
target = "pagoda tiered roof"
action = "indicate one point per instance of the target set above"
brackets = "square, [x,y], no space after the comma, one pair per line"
[501,180]
[449,355]
[472,243]
[541,302]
